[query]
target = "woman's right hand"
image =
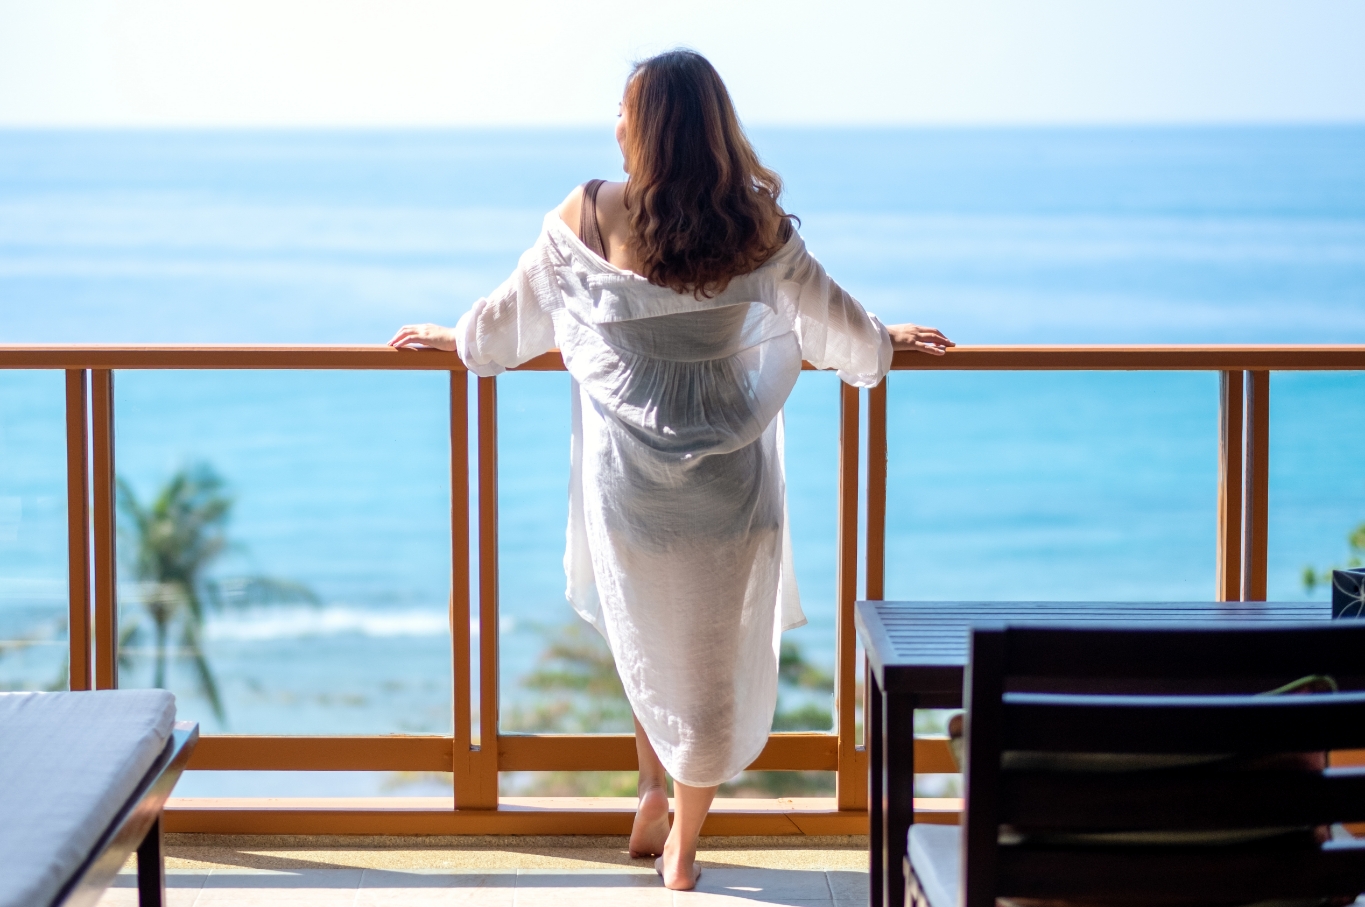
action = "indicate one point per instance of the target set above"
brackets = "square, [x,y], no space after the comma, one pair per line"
[918,338]
[420,335]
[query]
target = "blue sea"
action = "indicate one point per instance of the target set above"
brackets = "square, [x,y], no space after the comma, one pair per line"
[1002,485]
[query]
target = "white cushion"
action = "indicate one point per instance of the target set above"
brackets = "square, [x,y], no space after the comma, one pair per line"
[68,764]
[935,853]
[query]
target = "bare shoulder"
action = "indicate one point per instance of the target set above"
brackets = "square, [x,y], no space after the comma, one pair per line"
[611,210]
[571,209]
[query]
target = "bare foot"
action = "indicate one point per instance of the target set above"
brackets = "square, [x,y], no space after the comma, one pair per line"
[650,831]
[678,868]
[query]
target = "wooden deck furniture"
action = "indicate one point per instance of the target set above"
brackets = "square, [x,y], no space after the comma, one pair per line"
[1147,765]
[916,655]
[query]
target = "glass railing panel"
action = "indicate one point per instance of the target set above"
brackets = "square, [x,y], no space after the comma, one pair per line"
[1052,486]
[540,634]
[33,531]
[310,513]
[806,678]
[556,673]
[1317,481]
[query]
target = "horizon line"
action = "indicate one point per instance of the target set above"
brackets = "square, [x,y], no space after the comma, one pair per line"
[906,125]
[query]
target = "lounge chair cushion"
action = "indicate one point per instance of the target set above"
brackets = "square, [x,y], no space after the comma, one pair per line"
[935,853]
[68,764]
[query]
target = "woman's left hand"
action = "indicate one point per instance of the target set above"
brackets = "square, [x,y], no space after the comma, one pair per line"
[420,335]
[918,338]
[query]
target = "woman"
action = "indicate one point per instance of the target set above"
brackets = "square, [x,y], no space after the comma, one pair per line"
[683,303]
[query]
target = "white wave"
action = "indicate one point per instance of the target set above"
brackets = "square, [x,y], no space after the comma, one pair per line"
[31,590]
[295,622]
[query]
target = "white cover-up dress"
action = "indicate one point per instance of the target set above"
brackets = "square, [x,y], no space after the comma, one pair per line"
[678,548]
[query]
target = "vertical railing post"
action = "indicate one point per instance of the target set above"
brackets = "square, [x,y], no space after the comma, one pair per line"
[77,531]
[851,783]
[1228,578]
[483,761]
[462,691]
[1256,487]
[876,491]
[103,523]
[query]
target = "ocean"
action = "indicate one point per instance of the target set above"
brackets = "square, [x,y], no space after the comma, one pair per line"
[1002,485]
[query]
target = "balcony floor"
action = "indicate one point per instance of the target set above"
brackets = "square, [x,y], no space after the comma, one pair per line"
[498,872]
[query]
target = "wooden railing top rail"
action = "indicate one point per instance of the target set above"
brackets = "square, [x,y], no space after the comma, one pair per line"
[1192,357]
[224,356]
[1166,357]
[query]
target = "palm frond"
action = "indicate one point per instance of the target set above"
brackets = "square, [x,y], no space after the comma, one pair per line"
[172,541]
[795,671]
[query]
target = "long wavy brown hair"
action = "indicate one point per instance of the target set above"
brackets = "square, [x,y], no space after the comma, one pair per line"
[702,208]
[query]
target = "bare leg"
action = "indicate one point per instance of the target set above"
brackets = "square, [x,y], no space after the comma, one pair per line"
[678,865]
[650,830]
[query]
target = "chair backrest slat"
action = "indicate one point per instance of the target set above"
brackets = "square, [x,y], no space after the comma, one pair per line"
[1188,651]
[1176,724]
[1192,801]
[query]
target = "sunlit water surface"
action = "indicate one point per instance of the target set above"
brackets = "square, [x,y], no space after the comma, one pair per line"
[1002,486]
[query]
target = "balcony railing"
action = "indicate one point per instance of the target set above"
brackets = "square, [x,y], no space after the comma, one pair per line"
[1239,572]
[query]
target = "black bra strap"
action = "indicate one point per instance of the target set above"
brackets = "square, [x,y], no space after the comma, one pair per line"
[588,231]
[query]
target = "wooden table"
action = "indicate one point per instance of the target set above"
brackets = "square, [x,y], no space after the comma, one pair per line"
[916,652]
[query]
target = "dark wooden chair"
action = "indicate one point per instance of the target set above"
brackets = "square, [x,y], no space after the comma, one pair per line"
[1220,794]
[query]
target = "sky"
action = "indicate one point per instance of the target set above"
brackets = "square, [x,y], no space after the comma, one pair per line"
[439,63]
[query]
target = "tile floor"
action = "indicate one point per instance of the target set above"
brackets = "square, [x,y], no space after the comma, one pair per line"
[501,874]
